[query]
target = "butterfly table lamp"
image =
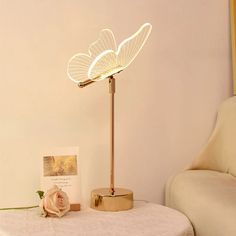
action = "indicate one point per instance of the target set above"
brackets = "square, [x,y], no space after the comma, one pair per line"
[105,60]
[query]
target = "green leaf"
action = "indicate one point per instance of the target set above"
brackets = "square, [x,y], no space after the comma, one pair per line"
[40,193]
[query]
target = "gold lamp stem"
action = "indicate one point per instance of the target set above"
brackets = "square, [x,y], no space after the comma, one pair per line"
[112,93]
[112,199]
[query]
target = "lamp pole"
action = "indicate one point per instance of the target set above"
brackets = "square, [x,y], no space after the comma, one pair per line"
[112,199]
[112,151]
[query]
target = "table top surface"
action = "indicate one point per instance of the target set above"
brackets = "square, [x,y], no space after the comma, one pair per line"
[145,219]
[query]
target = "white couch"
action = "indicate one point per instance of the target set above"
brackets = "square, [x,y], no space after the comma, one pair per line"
[206,192]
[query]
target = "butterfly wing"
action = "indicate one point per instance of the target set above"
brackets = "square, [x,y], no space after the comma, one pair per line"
[77,68]
[106,41]
[103,53]
[103,66]
[130,47]
[80,63]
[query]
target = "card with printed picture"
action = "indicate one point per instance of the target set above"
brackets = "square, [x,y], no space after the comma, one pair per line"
[60,166]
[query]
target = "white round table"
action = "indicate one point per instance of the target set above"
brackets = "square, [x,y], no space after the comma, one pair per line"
[145,219]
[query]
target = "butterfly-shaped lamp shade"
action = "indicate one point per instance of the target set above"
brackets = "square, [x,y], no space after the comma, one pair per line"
[106,59]
[103,61]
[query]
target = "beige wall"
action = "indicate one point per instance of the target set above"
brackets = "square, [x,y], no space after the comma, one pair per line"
[166,100]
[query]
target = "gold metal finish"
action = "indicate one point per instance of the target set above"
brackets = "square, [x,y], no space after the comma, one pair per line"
[233,40]
[85,83]
[103,200]
[112,199]
[89,81]
[112,92]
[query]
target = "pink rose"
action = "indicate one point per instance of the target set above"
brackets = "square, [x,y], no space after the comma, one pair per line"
[54,203]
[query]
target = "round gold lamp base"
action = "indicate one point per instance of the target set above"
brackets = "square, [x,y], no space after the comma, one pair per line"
[103,200]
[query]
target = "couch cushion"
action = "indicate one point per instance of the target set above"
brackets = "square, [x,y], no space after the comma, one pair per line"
[207,198]
[220,151]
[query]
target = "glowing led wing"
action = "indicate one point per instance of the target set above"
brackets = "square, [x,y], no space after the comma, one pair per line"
[130,47]
[79,64]
[110,63]
[103,66]
[106,41]
[77,68]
